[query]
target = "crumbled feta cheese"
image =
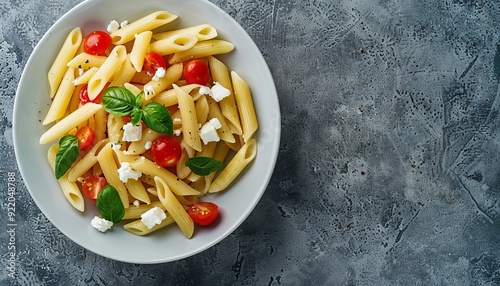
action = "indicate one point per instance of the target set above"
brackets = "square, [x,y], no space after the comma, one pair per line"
[208,132]
[123,24]
[215,122]
[136,203]
[132,133]
[101,224]
[218,92]
[113,26]
[125,172]
[160,73]
[204,89]
[177,120]
[116,146]
[177,132]
[148,145]
[152,217]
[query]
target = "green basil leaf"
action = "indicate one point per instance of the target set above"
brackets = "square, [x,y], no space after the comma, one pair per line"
[157,117]
[110,205]
[138,99]
[203,166]
[66,155]
[135,116]
[119,101]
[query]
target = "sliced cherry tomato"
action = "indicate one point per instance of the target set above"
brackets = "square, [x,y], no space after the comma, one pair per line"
[196,71]
[203,213]
[85,136]
[83,95]
[166,151]
[92,185]
[152,62]
[97,42]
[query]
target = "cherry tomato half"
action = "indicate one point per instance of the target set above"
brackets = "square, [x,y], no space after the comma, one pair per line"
[196,71]
[203,213]
[92,185]
[97,42]
[152,62]
[166,151]
[83,95]
[85,136]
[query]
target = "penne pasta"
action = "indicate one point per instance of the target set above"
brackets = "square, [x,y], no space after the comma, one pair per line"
[139,228]
[173,44]
[112,63]
[134,212]
[67,52]
[154,87]
[174,208]
[62,98]
[146,23]
[242,158]
[70,189]
[86,163]
[202,49]
[69,122]
[86,61]
[109,168]
[201,32]
[189,120]
[245,106]
[141,44]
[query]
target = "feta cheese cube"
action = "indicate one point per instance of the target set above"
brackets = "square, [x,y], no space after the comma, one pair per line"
[204,90]
[125,173]
[218,92]
[208,133]
[132,133]
[116,146]
[123,24]
[152,217]
[113,26]
[101,224]
[148,145]
[160,73]
[137,203]
[215,122]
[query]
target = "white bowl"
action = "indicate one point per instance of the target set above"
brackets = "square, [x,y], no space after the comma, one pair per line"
[169,244]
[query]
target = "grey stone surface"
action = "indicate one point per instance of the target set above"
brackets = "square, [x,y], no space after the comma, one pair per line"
[388,171]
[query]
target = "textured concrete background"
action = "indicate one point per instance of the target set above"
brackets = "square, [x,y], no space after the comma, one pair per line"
[388,172]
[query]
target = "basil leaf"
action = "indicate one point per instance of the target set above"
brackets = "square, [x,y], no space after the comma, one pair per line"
[135,115]
[119,101]
[109,204]
[66,155]
[203,166]
[157,117]
[138,99]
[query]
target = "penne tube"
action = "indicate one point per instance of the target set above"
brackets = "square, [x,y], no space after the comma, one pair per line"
[189,121]
[112,63]
[174,208]
[201,32]
[124,74]
[139,228]
[70,189]
[137,191]
[228,107]
[208,151]
[202,49]
[66,53]
[139,147]
[181,169]
[109,168]
[173,44]
[86,61]
[62,98]
[141,44]
[245,106]
[146,23]
[154,87]
[149,168]
[69,122]
[202,109]
[86,163]
[169,97]
[242,158]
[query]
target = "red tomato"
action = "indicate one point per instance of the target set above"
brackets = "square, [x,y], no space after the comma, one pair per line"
[85,136]
[203,213]
[196,71]
[166,151]
[97,42]
[92,185]
[83,95]
[152,62]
